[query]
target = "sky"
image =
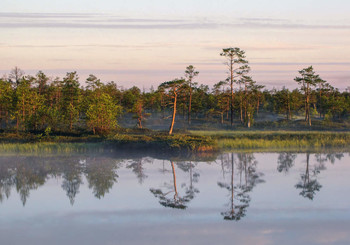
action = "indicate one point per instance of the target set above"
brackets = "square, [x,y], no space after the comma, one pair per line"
[145,43]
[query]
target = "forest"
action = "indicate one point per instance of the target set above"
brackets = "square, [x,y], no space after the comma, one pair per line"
[39,103]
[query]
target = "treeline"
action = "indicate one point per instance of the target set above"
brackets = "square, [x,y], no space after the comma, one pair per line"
[38,103]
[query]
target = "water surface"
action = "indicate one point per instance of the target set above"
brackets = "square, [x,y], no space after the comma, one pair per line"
[236,198]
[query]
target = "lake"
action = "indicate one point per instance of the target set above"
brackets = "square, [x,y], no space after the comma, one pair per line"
[230,198]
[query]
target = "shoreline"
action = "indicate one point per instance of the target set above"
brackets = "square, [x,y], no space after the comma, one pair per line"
[207,142]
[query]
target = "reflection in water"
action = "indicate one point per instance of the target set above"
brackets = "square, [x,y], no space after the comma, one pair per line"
[98,198]
[239,176]
[72,178]
[175,201]
[285,162]
[309,184]
[137,167]
[29,173]
[191,190]
[247,179]
[101,174]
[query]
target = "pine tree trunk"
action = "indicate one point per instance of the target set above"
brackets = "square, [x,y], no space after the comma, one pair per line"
[17,123]
[190,107]
[232,184]
[308,105]
[248,121]
[174,179]
[231,102]
[241,108]
[174,113]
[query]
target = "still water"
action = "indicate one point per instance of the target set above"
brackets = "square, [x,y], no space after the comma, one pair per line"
[232,198]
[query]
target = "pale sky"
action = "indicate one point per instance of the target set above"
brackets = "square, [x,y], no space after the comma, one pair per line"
[144,43]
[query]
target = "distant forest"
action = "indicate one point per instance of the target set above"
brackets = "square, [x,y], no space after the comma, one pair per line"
[38,103]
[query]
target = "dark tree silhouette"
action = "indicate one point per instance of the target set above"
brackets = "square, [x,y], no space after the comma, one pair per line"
[237,66]
[285,162]
[72,179]
[138,169]
[190,74]
[240,188]
[101,175]
[175,201]
[174,87]
[309,184]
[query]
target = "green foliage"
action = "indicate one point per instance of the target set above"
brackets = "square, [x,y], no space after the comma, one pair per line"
[140,114]
[130,97]
[47,131]
[35,103]
[102,113]
[70,99]
[6,101]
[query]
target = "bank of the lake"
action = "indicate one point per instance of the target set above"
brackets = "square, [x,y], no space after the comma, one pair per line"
[297,140]
[193,141]
[132,140]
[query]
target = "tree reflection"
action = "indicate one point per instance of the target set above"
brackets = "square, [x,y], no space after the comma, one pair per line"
[101,174]
[332,157]
[240,176]
[240,185]
[285,162]
[72,179]
[191,190]
[29,177]
[7,180]
[28,173]
[138,169]
[174,201]
[22,173]
[309,184]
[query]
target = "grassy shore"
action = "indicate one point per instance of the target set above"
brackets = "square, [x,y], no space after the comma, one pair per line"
[193,141]
[233,140]
[124,140]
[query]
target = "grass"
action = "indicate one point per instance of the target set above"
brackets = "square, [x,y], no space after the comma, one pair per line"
[231,140]
[123,140]
[193,141]
[163,141]
[39,148]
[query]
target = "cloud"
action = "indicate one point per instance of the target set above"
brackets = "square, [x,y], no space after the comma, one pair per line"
[259,25]
[221,63]
[89,21]
[266,47]
[147,45]
[83,17]
[107,21]
[44,15]
[264,19]
[302,63]
[109,26]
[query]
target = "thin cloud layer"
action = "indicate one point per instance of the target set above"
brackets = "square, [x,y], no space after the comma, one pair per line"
[98,21]
[149,49]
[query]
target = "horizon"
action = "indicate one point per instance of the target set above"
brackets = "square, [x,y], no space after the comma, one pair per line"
[148,43]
